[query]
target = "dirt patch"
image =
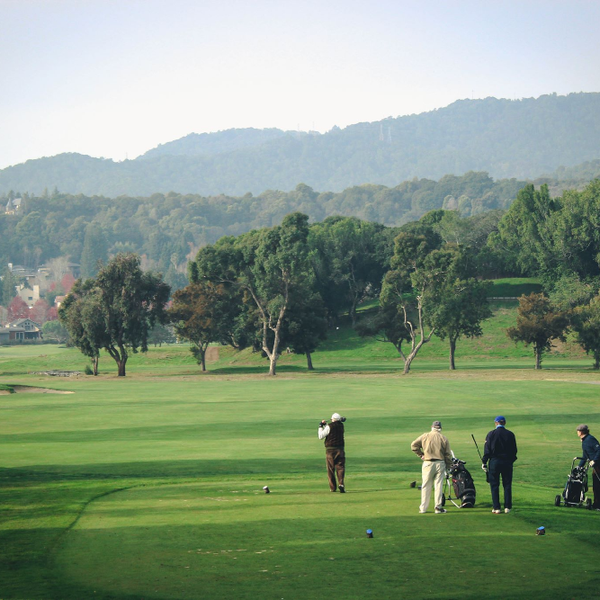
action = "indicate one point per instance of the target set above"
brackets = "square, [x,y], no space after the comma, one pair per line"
[36,390]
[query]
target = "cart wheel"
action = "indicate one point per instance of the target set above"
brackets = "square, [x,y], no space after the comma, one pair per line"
[557,501]
[588,503]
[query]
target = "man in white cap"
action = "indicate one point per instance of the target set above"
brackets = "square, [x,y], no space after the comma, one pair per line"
[434,450]
[333,434]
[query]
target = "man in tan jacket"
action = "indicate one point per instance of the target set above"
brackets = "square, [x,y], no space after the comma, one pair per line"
[434,450]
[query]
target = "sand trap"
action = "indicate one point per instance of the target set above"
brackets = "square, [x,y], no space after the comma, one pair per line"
[33,390]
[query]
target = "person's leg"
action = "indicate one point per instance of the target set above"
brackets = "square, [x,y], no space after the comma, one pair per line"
[440,473]
[330,470]
[340,466]
[428,473]
[507,476]
[494,480]
[595,472]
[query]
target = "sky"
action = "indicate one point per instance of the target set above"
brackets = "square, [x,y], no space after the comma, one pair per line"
[114,79]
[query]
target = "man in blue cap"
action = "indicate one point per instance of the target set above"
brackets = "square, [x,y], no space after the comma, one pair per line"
[501,452]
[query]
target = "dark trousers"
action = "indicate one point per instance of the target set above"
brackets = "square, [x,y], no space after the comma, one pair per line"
[500,468]
[336,465]
[596,485]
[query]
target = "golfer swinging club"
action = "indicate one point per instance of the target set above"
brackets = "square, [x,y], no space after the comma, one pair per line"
[333,434]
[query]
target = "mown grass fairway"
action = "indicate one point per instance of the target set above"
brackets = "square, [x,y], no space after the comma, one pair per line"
[151,486]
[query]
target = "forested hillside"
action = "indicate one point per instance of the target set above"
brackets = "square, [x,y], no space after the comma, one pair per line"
[168,228]
[506,138]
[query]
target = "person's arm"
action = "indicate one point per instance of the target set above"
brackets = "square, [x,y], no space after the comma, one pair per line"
[323,432]
[594,452]
[486,449]
[514,439]
[417,448]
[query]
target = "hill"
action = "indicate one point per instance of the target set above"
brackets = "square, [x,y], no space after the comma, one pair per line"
[506,138]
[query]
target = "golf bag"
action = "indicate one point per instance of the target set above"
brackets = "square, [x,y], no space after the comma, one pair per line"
[576,487]
[462,484]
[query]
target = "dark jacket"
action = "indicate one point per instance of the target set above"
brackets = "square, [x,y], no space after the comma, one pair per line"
[590,448]
[500,443]
[335,439]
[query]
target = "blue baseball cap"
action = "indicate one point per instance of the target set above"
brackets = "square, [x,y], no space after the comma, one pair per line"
[499,420]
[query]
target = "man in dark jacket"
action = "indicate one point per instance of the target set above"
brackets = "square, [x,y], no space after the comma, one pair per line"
[333,434]
[501,452]
[590,449]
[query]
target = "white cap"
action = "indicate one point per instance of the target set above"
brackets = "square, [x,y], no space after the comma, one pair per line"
[336,417]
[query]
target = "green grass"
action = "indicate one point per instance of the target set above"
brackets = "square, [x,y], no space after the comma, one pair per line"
[515,287]
[150,486]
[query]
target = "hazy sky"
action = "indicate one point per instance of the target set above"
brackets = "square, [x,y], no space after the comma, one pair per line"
[116,78]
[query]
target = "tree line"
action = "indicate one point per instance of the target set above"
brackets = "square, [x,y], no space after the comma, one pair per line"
[167,230]
[284,287]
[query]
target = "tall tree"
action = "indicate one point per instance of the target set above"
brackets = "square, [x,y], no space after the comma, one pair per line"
[8,289]
[585,322]
[305,325]
[417,271]
[538,323]
[81,314]
[459,307]
[349,257]
[95,250]
[128,301]
[271,265]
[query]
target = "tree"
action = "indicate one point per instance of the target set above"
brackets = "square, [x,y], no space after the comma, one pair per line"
[305,325]
[459,308]
[349,260]
[8,289]
[39,311]
[95,250]
[418,269]
[525,233]
[162,334]
[203,313]
[585,322]
[126,300]
[17,309]
[55,330]
[387,325]
[271,265]
[82,316]
[538,323]
[67,282]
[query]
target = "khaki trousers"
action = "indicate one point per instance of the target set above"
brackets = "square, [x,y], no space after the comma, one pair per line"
[433,472]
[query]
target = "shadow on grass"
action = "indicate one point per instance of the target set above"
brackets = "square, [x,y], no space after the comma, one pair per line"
[192,469]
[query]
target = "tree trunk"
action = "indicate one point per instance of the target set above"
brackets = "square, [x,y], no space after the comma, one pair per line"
[95,363]
[309,362]
[203,360]
[121,367]
[538,358]
[407,362]
[272,365]
[452,351]
[352,313]
[596,361]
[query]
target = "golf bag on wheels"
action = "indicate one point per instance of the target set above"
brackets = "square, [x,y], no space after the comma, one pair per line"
[576,487]
[462,484]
